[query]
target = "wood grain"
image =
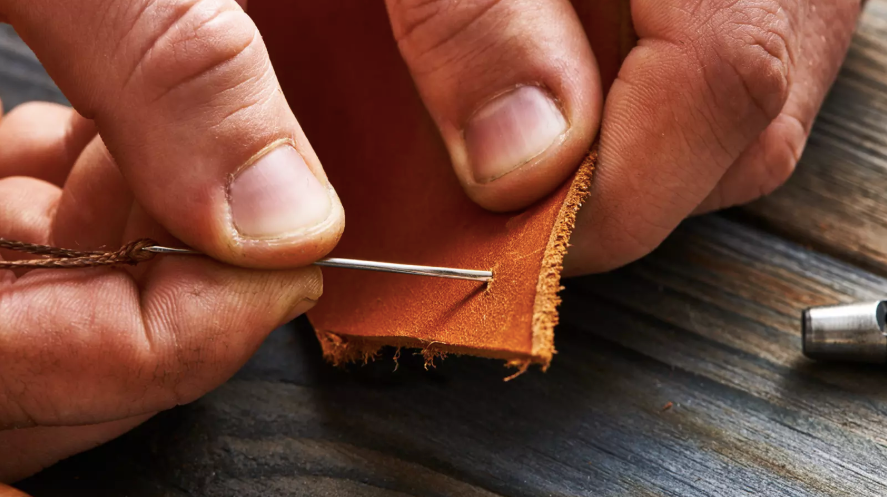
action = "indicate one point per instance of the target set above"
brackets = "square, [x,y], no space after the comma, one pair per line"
[678,375]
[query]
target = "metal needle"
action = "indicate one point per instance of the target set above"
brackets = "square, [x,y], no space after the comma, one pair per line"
[387,267]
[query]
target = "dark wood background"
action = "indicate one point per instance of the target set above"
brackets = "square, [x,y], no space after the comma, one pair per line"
[708,325]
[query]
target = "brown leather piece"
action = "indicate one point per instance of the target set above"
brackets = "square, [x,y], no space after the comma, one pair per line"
[356,101]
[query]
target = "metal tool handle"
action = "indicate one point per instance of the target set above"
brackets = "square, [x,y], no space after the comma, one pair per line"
[847,332]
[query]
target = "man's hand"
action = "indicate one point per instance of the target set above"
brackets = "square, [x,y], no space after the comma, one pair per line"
[711,109]
[197,144]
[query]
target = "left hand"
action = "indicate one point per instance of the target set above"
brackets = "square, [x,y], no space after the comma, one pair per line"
[711,109]
[195,145]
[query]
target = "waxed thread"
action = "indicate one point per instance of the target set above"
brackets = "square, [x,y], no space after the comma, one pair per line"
[60,258]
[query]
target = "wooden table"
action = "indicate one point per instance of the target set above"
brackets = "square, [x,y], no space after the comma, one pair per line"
[681,374]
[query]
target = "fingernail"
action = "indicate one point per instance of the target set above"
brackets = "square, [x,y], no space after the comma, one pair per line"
[277,195]
[511,130]
[300,308]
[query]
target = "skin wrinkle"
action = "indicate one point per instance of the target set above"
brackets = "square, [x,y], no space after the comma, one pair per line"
[717,131]
[463,26]
[464,55]
[8,406]
[664,201]
[791,29]
[473,60]
[720,48]
[250,83]
[16,415]
[159,35]
[661,23]
[148,332]
[407,24]
[51,337]
[214,66]
[758,98]
[666,198]
[760,168]
[194,32]
[197,360]
[108,6]
[696,42]
[270,96]
[165,308]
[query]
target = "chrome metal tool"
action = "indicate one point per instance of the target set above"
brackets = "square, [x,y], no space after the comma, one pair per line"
[846,332]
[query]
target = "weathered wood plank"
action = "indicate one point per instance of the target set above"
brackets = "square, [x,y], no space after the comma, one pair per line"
[709,324]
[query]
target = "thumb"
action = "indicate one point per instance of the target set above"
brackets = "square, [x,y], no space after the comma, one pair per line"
[513,87]
[184,96]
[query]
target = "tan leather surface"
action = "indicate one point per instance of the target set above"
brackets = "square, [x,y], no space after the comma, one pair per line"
[356,101]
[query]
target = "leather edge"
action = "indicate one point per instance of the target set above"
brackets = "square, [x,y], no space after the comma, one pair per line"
[545,314]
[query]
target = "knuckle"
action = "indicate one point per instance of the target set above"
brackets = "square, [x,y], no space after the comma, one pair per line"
[782,153]
[195,39]
[778,168]
[196,344]
[175,361]
[756,40]
[408,16]
[422,27]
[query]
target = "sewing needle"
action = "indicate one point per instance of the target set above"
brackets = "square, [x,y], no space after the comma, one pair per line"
[387,267]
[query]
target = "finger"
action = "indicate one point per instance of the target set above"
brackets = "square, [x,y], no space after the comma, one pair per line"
[192,112]
[27,206]
[30,450]
[42,140]
[763,166]
[704,81]
[94,205]
[513,87]
[771,159]
[9,491]
[90,346]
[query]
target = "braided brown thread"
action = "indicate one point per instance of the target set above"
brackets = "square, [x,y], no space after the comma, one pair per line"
[132,253]
[32,248]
